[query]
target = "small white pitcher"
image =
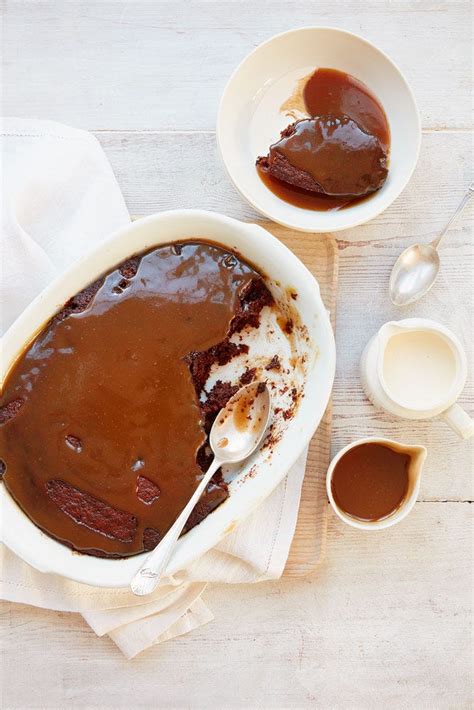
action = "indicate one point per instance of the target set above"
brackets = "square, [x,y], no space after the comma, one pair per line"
[416,369]
[417,456]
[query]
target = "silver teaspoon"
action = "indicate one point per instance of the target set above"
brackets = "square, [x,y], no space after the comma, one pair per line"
[417,267]
[235,434]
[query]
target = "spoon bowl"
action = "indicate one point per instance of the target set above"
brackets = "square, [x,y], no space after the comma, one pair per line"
[413,274]
[240,426]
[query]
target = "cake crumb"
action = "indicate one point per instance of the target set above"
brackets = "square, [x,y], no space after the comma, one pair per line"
[274,363]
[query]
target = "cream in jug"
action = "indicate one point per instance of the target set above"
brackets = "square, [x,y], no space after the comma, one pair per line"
[416,369]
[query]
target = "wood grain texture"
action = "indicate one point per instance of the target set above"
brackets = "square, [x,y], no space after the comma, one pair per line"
[105,64]
[174,170]
[384,622]
[320,256]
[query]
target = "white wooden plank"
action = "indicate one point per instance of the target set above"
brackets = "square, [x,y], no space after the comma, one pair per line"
[159,171]
[176,170]
[384,623]
[106,64]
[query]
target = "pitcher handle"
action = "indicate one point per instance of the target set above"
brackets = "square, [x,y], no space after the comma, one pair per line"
[460,421]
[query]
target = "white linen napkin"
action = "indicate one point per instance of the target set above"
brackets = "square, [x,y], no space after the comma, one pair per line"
[59,199]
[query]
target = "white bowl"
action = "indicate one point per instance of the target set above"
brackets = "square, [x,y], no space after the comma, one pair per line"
[418,456]
[279,264]
[249,120]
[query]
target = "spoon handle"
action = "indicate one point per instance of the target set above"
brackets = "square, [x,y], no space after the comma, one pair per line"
[150,573]
[462,204]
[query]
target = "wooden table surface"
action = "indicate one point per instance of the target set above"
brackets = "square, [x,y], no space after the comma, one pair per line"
[385,621]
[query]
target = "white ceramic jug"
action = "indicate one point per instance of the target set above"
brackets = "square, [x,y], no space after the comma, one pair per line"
[417,456]
[416,369]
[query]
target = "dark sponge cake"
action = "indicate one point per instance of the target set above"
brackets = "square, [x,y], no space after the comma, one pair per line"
[280,168]
[327,155]
[92,512]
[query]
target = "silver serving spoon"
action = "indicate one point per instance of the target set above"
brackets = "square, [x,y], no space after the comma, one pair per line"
[417,267]
[235,434]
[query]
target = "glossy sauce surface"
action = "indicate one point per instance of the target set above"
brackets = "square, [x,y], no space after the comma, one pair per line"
[329,91]
[303,198]
[109,423]
[371,481]
[337,97]
[336,153]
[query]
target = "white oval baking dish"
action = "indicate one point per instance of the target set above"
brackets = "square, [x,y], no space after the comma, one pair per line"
[259,247]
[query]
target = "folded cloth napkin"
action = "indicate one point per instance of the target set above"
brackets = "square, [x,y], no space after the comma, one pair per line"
[59,199]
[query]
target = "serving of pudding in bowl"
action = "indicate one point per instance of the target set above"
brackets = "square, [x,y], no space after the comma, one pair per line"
[318,129]
[112,378]
[336,151]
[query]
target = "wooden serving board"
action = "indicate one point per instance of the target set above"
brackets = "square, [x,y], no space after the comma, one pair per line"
[319,254]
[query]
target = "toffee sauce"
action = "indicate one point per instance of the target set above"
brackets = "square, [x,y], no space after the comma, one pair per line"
[103,446]
[370,482]
[332,92]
